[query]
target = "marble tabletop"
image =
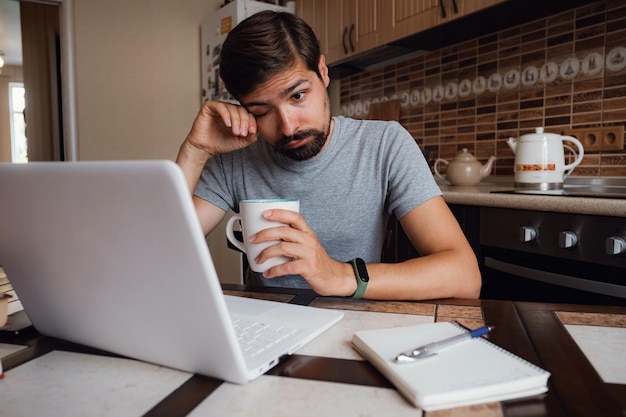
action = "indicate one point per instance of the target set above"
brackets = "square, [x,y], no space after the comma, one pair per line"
[327,377]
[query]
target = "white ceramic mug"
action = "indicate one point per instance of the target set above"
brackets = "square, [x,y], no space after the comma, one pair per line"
[252,221]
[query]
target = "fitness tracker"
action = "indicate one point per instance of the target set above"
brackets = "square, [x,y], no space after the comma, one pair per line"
[362,278]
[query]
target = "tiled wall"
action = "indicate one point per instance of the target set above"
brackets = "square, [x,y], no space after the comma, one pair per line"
[564,71]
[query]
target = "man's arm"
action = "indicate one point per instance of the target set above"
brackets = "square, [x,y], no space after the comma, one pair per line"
[218,128]
[447,267]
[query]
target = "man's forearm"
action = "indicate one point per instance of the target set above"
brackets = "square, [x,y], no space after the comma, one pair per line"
[441,275]
[191,160]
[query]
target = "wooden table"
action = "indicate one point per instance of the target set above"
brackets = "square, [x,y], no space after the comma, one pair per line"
[533,331]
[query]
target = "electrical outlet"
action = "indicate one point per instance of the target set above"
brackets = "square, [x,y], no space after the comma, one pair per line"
[592,139]
[596,139]
[612,138]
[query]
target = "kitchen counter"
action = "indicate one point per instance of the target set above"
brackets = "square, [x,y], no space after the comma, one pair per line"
[483,195]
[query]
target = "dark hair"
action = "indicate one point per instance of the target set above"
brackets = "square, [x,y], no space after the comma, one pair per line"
[263,45]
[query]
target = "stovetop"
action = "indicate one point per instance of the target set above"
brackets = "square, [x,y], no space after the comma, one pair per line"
[595,187]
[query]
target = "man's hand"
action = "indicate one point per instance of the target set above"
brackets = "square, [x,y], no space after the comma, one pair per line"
[326,276]
[220,128]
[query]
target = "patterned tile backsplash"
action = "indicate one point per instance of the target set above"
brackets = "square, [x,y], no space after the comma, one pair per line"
[560,72]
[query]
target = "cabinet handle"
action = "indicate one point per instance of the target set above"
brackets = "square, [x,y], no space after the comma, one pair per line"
[443,9]
[343,40]
[455,7]
[352,27]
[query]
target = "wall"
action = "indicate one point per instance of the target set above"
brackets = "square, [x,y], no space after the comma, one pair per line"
[445,112]
[137,75]
[138,85]
[9,74]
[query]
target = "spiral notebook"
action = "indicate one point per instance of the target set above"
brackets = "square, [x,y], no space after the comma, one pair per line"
[472,372]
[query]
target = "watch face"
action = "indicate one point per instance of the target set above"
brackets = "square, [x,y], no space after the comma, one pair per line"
[360,266]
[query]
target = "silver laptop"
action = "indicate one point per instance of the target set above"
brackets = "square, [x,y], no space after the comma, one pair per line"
[111,255]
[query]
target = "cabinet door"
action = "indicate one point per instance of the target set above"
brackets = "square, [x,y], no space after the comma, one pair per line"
[352,27]
[367,23]
[413,16]
[337,46]
[314,12]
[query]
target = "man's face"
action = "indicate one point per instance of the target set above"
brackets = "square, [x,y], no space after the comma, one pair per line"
[292,111]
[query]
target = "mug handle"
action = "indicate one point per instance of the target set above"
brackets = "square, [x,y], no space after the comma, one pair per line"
[231,235]
[579,156]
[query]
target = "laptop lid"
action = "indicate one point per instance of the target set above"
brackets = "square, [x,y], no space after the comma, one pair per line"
[111,255]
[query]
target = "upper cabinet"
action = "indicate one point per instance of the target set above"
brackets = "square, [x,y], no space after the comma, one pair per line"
[314,13]
[348,27]
[343,27]
[471,6]
[413,16]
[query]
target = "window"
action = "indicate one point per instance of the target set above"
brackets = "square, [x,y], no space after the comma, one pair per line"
[17,103]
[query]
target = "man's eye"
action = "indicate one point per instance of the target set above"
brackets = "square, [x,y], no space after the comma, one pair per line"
[259,115]
[298,96]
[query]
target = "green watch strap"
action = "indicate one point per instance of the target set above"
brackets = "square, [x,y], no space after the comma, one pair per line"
[362,277]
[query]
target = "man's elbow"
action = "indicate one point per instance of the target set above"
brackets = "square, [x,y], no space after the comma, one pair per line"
[474,285]
[472,280]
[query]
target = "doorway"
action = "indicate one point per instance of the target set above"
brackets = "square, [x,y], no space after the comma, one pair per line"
[47,69]
[17,108]
[41,54]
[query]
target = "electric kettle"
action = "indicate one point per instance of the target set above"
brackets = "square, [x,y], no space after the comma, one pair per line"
[540,159]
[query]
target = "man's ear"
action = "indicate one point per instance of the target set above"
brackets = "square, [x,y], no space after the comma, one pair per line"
[323,69]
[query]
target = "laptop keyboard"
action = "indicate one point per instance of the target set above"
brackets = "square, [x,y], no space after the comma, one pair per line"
[255,336]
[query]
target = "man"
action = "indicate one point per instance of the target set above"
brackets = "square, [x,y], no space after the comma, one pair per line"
[282,142]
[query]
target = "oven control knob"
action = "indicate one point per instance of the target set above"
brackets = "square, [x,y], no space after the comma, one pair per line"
[568,239]
[615,245]
[527,234]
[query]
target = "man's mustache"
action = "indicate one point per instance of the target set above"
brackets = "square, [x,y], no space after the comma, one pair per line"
[285,140]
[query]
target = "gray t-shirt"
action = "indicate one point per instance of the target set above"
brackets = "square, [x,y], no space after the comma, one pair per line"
[369,169]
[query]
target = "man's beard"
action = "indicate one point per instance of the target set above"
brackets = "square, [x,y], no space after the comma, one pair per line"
[304,152]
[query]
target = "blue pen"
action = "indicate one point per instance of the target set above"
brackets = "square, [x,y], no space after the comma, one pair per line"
[431,349]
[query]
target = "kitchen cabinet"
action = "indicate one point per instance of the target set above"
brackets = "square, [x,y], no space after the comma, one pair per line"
[349,27]
[414,16]
[314,13]
[344,27]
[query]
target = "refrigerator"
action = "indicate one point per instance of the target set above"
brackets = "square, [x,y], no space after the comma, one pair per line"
[213,31]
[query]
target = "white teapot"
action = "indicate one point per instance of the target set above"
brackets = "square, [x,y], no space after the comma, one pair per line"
[465,169]
[540,160]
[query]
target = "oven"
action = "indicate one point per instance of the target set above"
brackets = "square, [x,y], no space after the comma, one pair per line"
[540,256]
